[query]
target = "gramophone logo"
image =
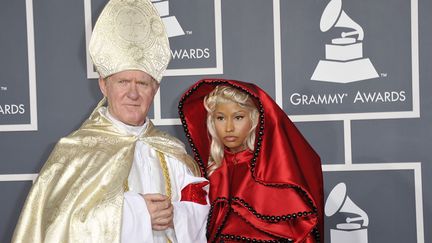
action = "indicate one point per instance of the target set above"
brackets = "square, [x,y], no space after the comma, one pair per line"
[344,61]
[171,23]
[339,202]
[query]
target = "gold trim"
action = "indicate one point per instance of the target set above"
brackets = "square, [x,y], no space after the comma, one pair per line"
[126,185]
[165,173]
[166,176]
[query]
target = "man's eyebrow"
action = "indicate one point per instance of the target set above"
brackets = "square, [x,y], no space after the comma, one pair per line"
[144,81]
[117,79]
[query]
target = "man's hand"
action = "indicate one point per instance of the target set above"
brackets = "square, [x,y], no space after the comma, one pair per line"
[161,211]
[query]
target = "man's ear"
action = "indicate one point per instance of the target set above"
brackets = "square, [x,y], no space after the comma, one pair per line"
[102,85]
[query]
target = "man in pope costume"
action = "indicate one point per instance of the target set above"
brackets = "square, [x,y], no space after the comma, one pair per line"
[118,178]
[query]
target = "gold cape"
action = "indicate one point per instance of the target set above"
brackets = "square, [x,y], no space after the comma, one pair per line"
[78,196]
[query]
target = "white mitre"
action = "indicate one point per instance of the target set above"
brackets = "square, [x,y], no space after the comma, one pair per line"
[130,35]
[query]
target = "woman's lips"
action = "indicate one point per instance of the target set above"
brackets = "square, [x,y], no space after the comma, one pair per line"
[230,138]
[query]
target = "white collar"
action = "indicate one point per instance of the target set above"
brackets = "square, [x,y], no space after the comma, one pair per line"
[127,129]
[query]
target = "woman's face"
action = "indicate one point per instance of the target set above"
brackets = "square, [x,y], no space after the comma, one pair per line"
[232,124]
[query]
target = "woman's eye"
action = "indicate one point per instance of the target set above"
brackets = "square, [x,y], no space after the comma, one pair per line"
[219,118]
[239,117]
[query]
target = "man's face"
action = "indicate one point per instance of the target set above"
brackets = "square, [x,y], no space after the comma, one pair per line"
[130,94]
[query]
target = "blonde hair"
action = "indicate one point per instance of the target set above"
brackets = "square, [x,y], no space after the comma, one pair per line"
[222,94]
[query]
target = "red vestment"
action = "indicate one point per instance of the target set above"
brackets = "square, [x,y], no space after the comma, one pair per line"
[272,194]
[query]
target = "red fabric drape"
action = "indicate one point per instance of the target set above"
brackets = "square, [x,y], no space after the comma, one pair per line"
[280,179]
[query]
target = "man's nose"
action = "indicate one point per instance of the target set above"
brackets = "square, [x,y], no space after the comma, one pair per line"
[133,90]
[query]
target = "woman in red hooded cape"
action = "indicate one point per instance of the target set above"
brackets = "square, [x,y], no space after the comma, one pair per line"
[273,193]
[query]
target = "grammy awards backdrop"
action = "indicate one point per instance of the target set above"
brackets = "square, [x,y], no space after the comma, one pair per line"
[355,77]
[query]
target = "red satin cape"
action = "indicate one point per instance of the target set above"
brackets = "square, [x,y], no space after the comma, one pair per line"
[277,191]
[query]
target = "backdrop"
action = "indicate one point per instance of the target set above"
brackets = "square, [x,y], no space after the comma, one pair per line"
[354,76]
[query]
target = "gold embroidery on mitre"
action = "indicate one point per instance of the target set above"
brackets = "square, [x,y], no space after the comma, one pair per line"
[130,35]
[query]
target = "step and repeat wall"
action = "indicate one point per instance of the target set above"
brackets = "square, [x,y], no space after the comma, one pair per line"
[354,76]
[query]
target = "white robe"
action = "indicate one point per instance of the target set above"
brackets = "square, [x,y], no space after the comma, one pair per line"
[146,177]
